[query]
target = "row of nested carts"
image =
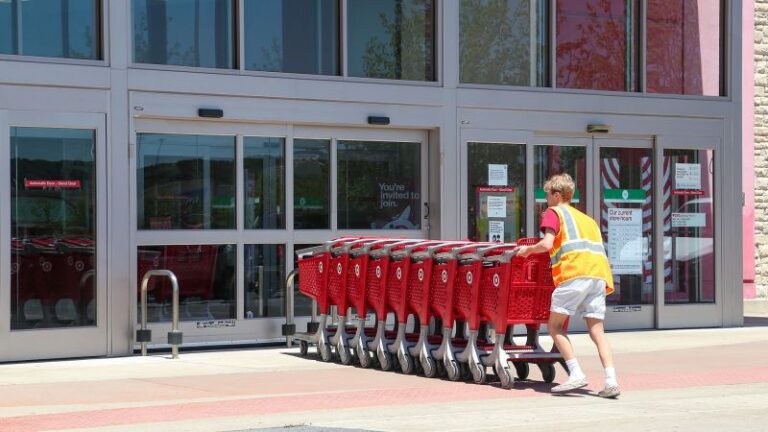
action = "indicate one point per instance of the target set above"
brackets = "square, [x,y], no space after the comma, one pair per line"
[455,305]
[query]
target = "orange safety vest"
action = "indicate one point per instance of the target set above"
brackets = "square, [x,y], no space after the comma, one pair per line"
[578,249]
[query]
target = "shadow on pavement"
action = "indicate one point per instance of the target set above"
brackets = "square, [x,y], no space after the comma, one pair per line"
[754,321]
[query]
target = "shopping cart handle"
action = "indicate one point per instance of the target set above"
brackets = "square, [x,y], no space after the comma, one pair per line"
[470,257]
[311,251]
[485,250]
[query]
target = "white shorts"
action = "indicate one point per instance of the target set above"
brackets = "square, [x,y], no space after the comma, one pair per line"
[585,295]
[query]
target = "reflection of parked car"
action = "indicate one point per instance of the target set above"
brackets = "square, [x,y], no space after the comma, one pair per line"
[401,221]
[691,242]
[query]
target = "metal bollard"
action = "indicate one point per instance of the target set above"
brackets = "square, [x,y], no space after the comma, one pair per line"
[289,328]
[144,335]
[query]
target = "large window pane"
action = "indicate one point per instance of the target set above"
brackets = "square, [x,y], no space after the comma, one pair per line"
[551,160]
[379,185]
[503,42]
[684,47]
[311,184]
[298,36]
[626,221]
[496,191]
[597,44]
[186,182]
[206,276]
[48,28]
[689,226]
[184,32]
[264,163]
[392,39]
[264,281]
[53,228]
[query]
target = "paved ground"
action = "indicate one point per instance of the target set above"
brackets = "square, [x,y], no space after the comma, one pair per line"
[683,380]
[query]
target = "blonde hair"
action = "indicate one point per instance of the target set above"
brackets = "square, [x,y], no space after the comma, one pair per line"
[562,183]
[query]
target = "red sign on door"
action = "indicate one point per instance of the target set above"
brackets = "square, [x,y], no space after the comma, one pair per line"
[52,184]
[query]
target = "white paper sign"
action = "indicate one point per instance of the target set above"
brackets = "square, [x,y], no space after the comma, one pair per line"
[496,231]
[689,220]
[497,207]
[625,240]
[497,175]
[687,176]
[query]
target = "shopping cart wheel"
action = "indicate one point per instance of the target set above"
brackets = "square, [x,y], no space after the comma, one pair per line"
[325,352]
[478,373]
[406,363]
[429,367]
[344,355]
[466,374]
[303,348]
[522,370]
[454,372]
[505,377]
[365,358]
[547,372]
[440,369]
[385,360]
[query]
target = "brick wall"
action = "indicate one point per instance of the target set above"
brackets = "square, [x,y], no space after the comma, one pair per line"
[761,147]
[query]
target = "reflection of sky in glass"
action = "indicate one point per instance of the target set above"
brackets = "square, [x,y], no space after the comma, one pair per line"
[181,35]
[363,25]
[296,36]
[263,28]
[156,149]
[49,30]
[53,145]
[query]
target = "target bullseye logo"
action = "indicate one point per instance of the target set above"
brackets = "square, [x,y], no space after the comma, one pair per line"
[421,275]
[79,265]
[357,270]
[469,278]
[444,276]
[338,268]
[378,272]
[399,273]
[47,266]
[496,280]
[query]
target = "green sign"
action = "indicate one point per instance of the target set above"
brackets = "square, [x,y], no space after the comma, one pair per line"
[541,196]
[636,196]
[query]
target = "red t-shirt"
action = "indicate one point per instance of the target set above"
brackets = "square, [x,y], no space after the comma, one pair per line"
[549,219]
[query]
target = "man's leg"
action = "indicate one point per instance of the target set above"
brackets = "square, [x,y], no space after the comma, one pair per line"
[576,378]
[597,333]
[555,327]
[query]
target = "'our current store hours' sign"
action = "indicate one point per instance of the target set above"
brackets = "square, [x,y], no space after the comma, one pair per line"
[625,240]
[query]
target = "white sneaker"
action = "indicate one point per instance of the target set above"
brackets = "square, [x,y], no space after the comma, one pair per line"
[571,384]
[610,392]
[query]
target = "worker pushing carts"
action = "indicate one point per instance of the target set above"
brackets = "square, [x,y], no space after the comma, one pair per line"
[447,292]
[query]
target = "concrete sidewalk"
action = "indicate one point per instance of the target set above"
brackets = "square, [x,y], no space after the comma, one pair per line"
[707,379]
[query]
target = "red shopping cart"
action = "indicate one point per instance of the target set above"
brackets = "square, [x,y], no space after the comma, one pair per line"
[513,291]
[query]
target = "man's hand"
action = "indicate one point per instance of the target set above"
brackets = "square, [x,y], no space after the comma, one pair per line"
[524,251]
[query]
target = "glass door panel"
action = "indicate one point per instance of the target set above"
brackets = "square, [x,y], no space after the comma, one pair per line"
[626,204]
[53,228]
[552,159]
[496,191]
[689,226]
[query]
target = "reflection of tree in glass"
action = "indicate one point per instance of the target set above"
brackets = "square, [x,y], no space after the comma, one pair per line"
[409,53]
[495,41]
[592,45]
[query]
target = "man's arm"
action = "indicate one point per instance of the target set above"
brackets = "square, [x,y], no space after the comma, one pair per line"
[545,245]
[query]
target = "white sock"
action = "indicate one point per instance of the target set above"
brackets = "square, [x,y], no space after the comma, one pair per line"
[610,377]
[575,370]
